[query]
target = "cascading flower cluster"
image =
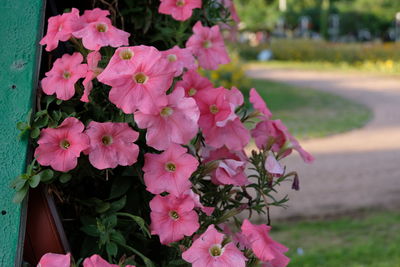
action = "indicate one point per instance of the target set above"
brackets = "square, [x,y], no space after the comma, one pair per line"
[186,137]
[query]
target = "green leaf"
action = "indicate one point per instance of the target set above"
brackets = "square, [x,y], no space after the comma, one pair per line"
[59,101]
[49,100]
[40,114]
[65,178]
[112,249]
[46,175]
[20,195]
[22,126]
[18,183]
[119,204]
[120,186]
[103,207]
[90,230]
[34,181]
[35,132]
[138,220]
[117,237]
[41,122]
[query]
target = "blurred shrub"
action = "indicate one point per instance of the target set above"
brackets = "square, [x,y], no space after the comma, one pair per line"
[229,75]
[311,50]
[308,50]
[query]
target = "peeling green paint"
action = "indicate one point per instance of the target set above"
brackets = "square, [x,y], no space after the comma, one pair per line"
[21,23]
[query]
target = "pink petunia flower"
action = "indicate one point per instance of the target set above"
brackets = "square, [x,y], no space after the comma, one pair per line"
[59,28]
[173,218]
[197,204]
[233,135]
[93,59]
[179,9]
[171,122]
[169,171]
[266,249]
[275,129]
[61,79]
[61,147]
[98,31]
[111,144]
[259,104]
[55,260]
[97,261]
[214,106]
[218,121]
[231,166]
[208,46]
[193,83]
[179,59]
[207,250]
[142,85]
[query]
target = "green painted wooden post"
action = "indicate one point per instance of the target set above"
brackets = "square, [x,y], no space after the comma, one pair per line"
[21,23]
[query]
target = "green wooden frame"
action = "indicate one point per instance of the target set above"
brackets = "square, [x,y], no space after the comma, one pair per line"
[21,26]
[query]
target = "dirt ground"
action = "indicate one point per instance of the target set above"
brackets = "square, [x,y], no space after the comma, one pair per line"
[354,170]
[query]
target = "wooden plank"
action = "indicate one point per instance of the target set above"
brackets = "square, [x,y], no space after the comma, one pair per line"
[21,23]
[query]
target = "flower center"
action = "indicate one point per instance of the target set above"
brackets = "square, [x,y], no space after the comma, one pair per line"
[140,78]
[172,58]
[171,167]
[207,44]
[214,109]
[64,144]
[166,112]
[126,54]
[66,75]
[174,215]
[180,2]
[192,92]
[216,250]
[107,140]
[101,27]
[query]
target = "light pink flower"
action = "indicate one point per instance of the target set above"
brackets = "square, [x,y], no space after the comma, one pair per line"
[143,83]
[231,166]
[122,62]
[93,59]
[172,122]
[179,9]
[169,171]
[179,59]
[197,204]
[111,144]
[59,28]
[259,104]
[263,246]
[265,130]
[61,147]
[208,46]
[207,250]
[273,166]
[55,260]
[214,106]
[218,121]
[98,31]
[233,135]
[97,261]
[173,218]
[61,79]
[193,82]
[232,9]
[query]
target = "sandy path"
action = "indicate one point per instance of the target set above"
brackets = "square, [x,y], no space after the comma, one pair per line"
[353,170]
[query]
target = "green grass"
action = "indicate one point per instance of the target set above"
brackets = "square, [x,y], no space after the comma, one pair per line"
[310,113]
[368,240]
